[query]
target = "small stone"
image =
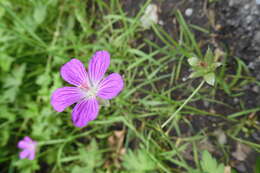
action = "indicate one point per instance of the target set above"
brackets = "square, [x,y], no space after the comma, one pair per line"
[221,136]
[236,100]
[247,6]
[188,12]
[184,79]
[161,22]
[251,65]
[256,89]
[249,19]
[206,104]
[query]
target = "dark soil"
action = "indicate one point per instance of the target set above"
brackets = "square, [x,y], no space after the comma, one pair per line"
[234,26]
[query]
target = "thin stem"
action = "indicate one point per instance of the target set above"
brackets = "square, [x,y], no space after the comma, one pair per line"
[57,141]
[51,142]
[186,101]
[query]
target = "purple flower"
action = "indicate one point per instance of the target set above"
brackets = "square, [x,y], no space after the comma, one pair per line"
[89,87]
[28,147]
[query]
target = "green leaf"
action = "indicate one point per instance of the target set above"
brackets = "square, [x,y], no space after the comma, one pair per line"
[209,57]
[5,62]
[5,113]
[90,158]
[196,74]
[210,165]
[138,161]
[193,61]
[195,171]
[27,166]
[39,13]
[220,168]
[78,169]
[13,82]
[4,136]
[210,78]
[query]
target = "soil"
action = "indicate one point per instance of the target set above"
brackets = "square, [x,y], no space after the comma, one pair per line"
[234,26]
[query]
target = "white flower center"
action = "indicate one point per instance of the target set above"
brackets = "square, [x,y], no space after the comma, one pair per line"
[89,91]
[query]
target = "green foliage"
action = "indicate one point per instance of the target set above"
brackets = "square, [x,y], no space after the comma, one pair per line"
[138,161]
[257,167]
[12,83]
[205,68]
[209,164]
[90,158]
[27,166]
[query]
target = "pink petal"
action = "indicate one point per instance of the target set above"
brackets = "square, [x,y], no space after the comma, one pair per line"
[98,66]
[27,139]
[64,97]
[23,145]
[23,154]
[85,111]
[74,72]
[31,155]
[110,86]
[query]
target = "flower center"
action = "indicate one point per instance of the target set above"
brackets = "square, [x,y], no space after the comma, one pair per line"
[32,146]
[89,91]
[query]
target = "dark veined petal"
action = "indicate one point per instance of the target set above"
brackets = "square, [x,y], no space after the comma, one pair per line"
[98,66]
[64,97]
[110,86]
[74,73]
[85,111]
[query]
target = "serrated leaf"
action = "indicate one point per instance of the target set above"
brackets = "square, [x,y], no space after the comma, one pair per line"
[210,165]
[90,157]
[210,78]
[193,61]
[138,161]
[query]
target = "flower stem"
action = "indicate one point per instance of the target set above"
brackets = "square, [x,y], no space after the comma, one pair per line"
[51,142]
[184,103]
[71,138]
